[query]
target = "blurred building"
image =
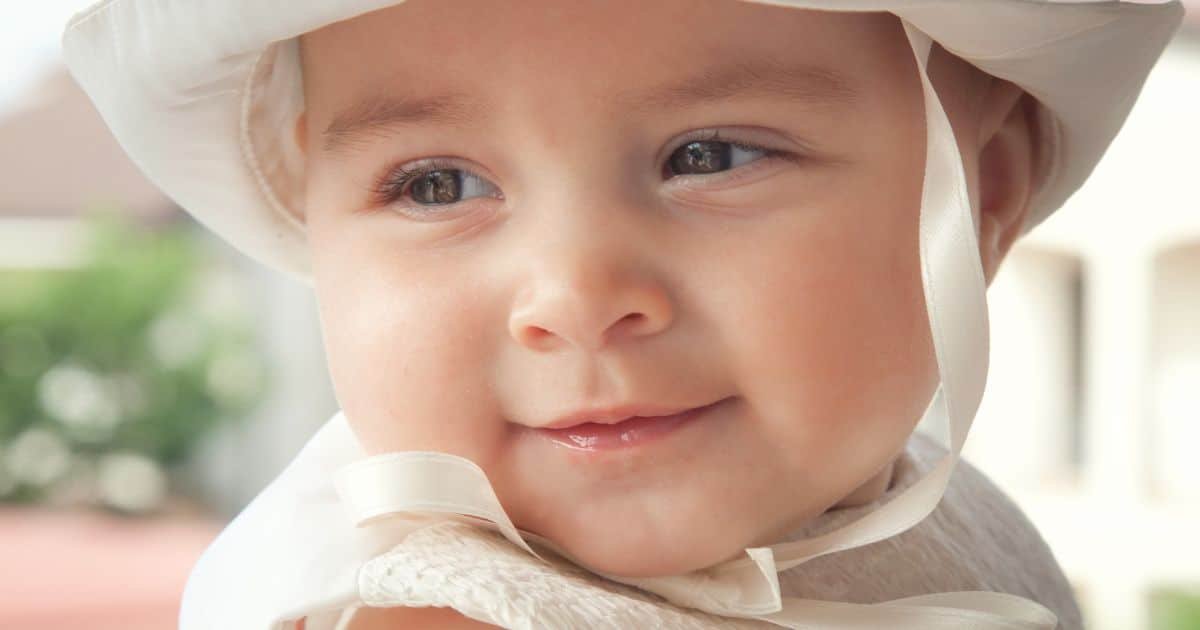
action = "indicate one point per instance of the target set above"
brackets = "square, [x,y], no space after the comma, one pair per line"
[1091,418]
[58,161]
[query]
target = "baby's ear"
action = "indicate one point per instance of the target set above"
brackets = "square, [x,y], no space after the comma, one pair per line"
[301,132]
[1007,165]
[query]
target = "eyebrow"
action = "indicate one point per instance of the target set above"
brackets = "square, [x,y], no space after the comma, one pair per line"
[759,77]
[378,115]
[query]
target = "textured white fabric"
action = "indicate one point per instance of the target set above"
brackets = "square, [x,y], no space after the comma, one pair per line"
[480,573]
[976,539]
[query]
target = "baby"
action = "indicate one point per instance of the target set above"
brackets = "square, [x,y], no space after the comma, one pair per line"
[654,267]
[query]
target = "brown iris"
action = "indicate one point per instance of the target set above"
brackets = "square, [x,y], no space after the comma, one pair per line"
[438,187]
[701,156]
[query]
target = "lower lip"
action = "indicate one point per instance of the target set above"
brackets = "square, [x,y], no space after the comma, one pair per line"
[635,431]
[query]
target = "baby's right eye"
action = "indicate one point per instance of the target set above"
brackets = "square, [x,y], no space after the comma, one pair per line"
[431,184]
[445,186]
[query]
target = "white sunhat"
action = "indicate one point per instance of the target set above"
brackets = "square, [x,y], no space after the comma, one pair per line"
[206,111]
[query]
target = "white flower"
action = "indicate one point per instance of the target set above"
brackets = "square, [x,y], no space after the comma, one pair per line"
[79,398]
[38,457]
[131,482]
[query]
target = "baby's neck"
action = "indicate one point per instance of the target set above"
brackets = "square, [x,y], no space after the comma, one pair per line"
[871,490]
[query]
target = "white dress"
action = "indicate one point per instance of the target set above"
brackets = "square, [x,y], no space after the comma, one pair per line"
[976,539]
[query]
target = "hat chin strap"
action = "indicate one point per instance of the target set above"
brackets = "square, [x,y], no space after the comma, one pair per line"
[454,487]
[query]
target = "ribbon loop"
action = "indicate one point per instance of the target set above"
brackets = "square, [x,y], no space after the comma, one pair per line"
[422,482]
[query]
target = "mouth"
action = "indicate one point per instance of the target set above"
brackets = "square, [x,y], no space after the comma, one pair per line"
[613,431]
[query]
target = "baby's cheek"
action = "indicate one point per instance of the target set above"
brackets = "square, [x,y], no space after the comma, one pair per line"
[408,363]
[836,347]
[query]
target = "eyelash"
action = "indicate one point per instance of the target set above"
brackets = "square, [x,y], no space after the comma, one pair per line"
[704,136]
[392,185]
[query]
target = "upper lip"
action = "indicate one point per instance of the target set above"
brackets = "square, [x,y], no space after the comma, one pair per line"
[614,414]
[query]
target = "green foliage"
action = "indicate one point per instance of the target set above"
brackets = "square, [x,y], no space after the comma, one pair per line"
[1175,609]
[119,355]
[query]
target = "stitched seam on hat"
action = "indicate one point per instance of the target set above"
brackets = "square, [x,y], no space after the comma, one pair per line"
[247,145]
[1050,42]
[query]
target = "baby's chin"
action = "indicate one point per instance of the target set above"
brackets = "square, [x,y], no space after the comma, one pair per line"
[641,545]
[661,530]
[665,530]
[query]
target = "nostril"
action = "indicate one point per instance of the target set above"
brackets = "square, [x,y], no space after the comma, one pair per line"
[536,335]
[637,317]
[636,321]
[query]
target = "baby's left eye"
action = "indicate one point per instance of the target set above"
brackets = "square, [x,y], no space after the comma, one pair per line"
[711,156]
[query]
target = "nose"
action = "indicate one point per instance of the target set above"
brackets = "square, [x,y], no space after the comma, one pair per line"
[588,293]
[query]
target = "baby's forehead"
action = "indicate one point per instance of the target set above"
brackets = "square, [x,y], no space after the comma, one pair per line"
[806,86]
[452,62]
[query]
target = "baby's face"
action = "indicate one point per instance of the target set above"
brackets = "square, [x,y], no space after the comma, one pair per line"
[520,211]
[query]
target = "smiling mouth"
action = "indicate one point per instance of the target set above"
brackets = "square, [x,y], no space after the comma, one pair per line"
[630,432]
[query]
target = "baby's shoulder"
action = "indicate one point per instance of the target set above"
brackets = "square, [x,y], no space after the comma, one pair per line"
[970,493]
[991,539]
[977,512]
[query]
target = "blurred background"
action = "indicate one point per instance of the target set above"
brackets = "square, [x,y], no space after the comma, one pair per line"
[153,380]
